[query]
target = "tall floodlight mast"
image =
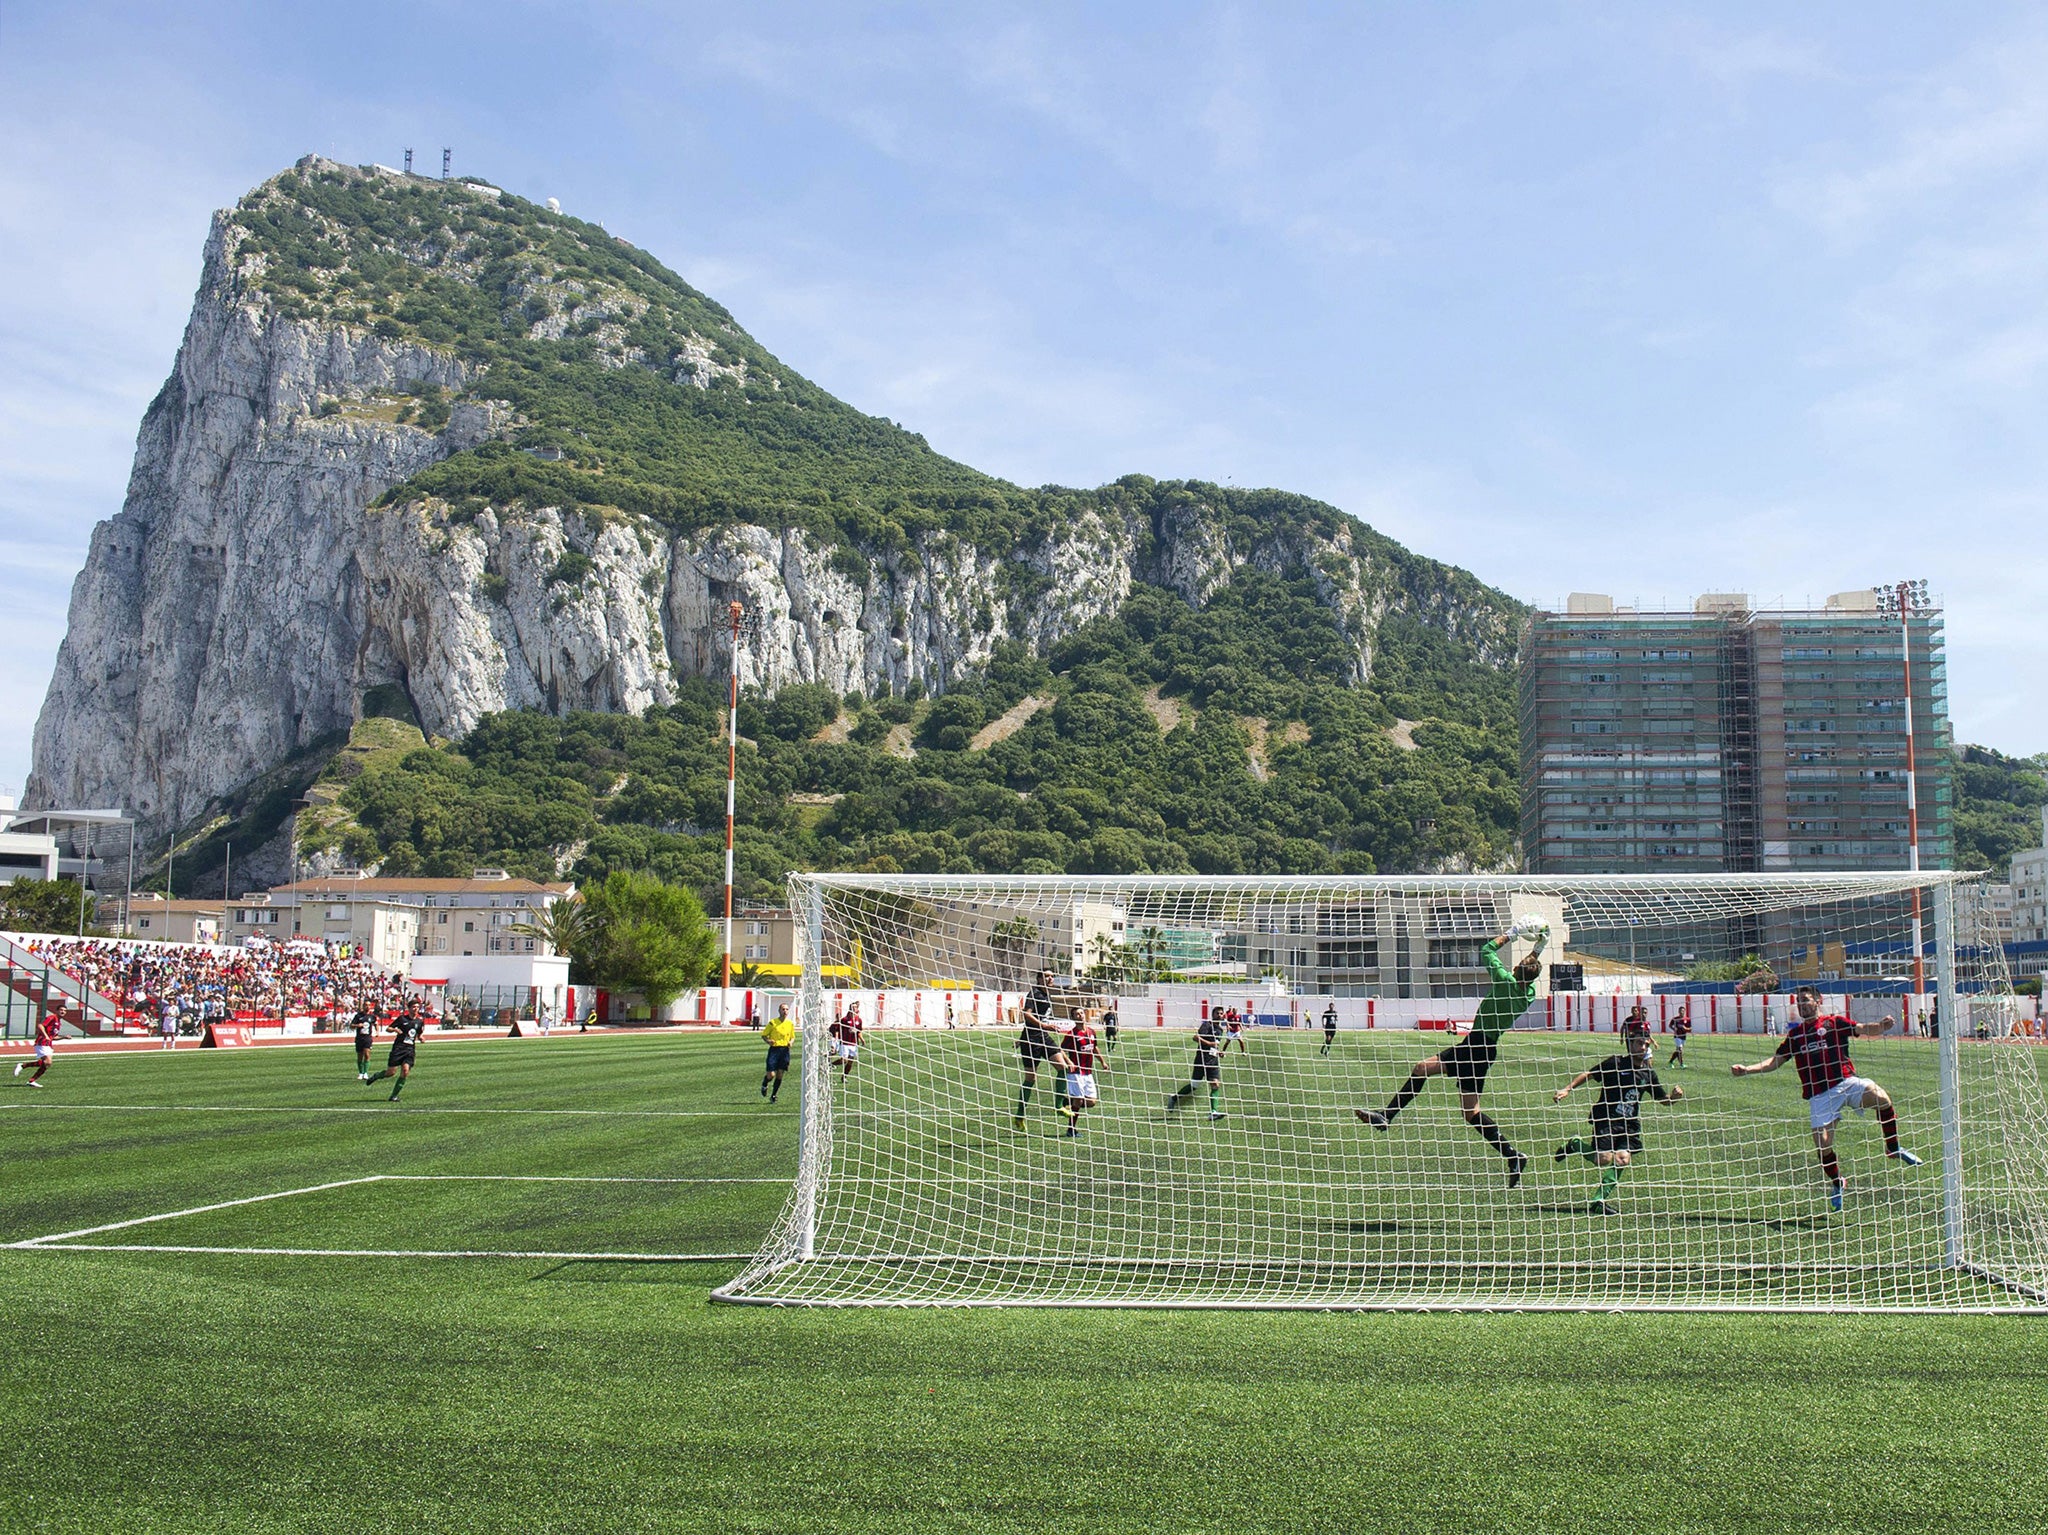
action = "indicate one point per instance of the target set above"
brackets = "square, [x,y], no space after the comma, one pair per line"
[732,768]
[1905,599]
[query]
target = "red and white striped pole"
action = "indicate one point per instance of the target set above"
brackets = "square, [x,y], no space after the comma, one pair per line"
[1910,595]
[732,771]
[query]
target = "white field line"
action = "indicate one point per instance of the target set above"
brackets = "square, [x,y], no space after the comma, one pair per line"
[555,1178]
[378,1108]
[225,1204]
[51,1245]
[65,1241]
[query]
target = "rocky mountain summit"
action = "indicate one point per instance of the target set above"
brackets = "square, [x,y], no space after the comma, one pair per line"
[425,434]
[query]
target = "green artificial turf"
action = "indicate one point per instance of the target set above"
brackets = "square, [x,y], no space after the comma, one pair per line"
[183,1391]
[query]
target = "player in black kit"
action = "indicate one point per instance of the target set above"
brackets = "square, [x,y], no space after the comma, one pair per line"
[1624,1081]
[366,1036]
[405,1038]
[1038,1044]
[1210,1043]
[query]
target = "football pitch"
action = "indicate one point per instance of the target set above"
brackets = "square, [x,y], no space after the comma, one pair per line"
[257,1296]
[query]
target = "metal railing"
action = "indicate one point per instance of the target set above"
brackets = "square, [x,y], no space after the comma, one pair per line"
[35,982]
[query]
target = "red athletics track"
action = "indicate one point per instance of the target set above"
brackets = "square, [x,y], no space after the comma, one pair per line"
[91,1046]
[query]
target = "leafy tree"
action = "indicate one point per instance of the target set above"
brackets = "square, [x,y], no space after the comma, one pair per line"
[642,935]
[44,906]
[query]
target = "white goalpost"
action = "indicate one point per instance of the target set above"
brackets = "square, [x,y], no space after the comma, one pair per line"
[942,1162]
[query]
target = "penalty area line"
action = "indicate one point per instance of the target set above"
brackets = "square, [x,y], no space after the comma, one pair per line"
[330,1108]
[52,1244]
[171,1215]
[556,1178]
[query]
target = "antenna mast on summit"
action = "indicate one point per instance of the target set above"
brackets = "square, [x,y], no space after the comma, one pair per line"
[446,155]
[408,162]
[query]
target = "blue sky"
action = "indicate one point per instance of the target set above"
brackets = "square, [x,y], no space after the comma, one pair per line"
[1641,299]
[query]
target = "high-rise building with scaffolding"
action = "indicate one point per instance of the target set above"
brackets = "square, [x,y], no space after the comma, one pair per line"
[1732,737]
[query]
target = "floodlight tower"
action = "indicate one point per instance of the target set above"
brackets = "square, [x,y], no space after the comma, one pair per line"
[1904,599]
[732,768]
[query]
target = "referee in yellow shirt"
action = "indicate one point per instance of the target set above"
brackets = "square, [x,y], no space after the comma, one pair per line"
[780,1032]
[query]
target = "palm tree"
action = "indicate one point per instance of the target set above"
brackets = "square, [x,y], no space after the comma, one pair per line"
[1152,944]
[1008,941]
[1109,958]
[563,926]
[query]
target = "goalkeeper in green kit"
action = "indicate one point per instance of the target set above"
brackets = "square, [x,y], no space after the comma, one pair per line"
[1468,1061]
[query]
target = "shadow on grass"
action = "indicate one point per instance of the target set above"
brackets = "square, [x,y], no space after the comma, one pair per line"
[686,1273]
[1694,1217]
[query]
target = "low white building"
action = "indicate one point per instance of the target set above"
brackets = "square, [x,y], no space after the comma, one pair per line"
[24,854]
[495,980]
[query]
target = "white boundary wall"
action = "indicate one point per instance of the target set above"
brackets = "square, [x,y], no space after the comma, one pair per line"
[1184,1007]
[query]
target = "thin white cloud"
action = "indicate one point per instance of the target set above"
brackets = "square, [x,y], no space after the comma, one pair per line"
[1984,115]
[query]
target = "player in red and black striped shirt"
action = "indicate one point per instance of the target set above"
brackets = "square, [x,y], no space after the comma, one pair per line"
[1818,1046]
[1077,1058]
[46,1048]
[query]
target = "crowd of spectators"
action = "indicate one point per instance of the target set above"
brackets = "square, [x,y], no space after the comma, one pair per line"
[205,984]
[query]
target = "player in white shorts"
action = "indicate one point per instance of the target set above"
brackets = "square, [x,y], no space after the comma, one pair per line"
[1077,1056]
[846,1038]
[1818,1047]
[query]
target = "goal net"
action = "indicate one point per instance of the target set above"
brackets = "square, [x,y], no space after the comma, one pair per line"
[1241,1024]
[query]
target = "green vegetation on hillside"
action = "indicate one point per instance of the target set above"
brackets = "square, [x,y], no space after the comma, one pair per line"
[1998,807]
[656,399]
[1252,683]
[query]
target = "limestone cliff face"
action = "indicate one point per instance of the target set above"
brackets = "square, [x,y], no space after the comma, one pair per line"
[250,591]
[211,631]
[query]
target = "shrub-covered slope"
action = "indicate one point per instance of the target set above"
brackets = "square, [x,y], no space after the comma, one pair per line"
[1223,740]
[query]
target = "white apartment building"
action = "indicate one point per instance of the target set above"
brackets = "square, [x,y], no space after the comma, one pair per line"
[385,931]
[2030,890]
[1389,946]
[477,916]
[996,945]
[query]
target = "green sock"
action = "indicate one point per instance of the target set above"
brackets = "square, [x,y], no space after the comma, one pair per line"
[380,1076]
[1024,1097]
[1578,1145]
[1609,1177]
[1215,1099]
